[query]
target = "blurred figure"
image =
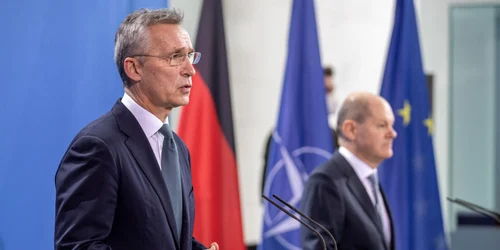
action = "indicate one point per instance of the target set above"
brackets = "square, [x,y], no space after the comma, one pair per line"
[328,74]
[331,102]
[343,194]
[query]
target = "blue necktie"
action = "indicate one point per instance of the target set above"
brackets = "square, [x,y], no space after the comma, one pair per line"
[378,205]
[376,190]
[170,168]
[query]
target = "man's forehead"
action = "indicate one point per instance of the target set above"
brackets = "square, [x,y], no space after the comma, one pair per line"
[171,37]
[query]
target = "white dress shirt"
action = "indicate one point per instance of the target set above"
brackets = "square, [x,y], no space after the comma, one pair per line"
[363,171]
[150,124]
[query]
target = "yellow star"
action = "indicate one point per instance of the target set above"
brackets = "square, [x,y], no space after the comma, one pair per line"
[405,112]
[430,125]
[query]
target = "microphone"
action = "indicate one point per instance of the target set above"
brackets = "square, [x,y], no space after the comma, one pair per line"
[297,219]
[307,217]
[476,208]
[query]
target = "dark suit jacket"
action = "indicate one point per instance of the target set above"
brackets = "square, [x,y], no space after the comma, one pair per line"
[110,193]
[335,197]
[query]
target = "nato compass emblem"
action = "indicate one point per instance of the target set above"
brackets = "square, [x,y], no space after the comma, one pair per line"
[287,178]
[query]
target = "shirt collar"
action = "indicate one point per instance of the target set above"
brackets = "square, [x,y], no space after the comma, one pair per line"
[361,168]
[150,124]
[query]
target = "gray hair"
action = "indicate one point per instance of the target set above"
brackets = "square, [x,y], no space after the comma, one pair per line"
[132,37]
[356,109]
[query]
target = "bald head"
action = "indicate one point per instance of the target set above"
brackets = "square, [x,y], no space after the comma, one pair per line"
[365,127]
[357,107]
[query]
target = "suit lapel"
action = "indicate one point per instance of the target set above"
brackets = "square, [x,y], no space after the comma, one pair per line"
[140,148]
[186,189]
[359,191]
[387,208]
[185,212]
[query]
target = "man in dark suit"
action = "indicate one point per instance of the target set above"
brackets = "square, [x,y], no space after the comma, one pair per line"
[343,194]
[125,180]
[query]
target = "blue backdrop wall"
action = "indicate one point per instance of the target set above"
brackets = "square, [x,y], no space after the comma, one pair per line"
[56,74]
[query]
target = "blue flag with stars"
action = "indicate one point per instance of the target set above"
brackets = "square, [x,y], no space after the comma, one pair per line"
[302,139]
[409,178]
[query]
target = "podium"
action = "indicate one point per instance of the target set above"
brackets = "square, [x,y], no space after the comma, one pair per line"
[479,237]
[479,231]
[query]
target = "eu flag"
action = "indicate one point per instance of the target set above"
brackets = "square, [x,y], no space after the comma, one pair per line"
[302,138]
[409,177]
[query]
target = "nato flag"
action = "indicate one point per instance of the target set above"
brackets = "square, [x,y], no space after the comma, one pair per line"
[302,139]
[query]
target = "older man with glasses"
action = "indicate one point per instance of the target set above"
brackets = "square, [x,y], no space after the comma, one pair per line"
[125,180]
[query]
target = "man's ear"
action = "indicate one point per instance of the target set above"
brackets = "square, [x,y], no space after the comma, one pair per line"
[349,130]
[133,68]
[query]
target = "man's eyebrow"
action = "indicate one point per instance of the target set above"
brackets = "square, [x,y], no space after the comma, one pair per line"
[180,50]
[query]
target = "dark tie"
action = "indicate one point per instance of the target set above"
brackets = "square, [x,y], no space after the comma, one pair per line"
[170,169]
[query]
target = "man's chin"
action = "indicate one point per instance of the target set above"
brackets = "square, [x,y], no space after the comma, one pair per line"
[389,154]
[178,104]
[185,102]
[182,102]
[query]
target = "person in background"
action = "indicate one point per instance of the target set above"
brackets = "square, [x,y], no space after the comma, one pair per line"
[331,104]
[344,194]
[331,101]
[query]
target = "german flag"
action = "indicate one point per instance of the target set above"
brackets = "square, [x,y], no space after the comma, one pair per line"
[206,126]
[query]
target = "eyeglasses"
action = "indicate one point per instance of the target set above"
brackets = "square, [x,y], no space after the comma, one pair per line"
[177,59]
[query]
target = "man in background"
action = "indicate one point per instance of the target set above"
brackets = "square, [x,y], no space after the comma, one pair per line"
[331,101]
[331,104]
[343,194]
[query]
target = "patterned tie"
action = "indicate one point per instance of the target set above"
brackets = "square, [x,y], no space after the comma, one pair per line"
[170,168]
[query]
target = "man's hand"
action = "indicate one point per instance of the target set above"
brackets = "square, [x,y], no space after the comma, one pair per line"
[214,246]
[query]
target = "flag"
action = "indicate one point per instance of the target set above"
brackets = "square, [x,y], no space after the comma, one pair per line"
[302,139]
[206,126]
[409,178]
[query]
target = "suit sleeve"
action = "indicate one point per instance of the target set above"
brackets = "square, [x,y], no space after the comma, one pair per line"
[86,196]
[322,202]
[197,245]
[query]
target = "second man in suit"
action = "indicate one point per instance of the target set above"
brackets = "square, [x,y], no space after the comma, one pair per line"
[343,194]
